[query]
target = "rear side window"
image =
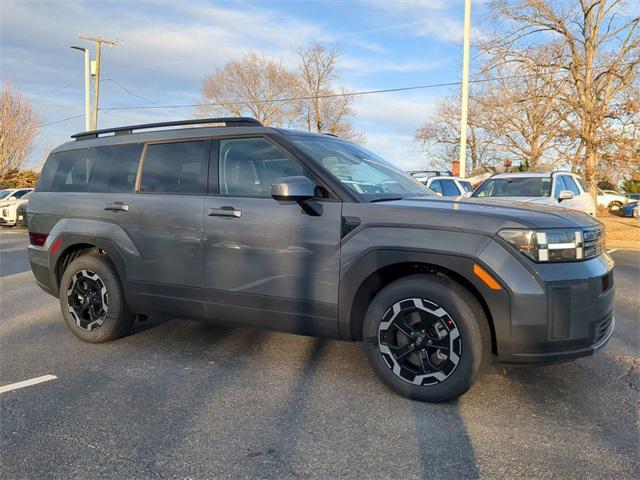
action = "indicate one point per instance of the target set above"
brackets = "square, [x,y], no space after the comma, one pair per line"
[20,193]
[69,171]
[466,186]
[100,169]
[116,168]
[179,167]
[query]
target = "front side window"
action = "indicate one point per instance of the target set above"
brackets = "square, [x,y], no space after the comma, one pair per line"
[449,188]
[179,167]
[365,174]
[570,184]
[515,187]
[248,167]
[435,186]
[559,187]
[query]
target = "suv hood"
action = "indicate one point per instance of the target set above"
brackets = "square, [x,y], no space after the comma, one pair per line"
[479,214]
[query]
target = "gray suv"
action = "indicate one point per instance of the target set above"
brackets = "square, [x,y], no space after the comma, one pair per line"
[233,222]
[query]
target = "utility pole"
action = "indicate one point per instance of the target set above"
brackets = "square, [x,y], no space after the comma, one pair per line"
[96,84]
[465,88]
[87,87]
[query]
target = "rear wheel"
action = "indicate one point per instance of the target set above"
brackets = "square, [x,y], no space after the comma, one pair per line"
[427,338]
[614,208]
[92,301]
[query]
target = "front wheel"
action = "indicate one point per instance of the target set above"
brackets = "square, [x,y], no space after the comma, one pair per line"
[427,337]
[92,301]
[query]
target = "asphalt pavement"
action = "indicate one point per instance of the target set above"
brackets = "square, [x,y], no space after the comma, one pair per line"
[182,400]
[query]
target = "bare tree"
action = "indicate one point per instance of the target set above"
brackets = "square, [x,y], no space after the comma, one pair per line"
[521,108]
[326,108]
[19,126]
[439,136]
[599,58]
[255,85]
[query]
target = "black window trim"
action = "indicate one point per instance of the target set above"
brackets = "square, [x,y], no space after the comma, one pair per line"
[203,181]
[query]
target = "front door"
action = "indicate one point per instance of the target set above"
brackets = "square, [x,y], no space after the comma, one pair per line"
[267,262]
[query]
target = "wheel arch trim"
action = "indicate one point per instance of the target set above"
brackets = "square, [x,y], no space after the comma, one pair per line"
[83,233]
[496,303]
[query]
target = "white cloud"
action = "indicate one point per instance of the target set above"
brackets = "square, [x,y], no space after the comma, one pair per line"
[402,111]
[366,66]
[398,149]
[390,120]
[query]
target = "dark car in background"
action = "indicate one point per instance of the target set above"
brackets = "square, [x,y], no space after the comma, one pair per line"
[311,234]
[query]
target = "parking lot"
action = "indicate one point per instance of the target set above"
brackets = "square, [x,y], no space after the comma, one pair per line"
[179,399]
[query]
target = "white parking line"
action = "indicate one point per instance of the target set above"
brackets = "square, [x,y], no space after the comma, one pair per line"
[612,250]
[27,383]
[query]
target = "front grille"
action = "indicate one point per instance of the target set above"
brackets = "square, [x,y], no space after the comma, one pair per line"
[601,327]
[593,242]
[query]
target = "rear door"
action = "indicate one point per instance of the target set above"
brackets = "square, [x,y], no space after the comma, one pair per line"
[158,203]
[267,262]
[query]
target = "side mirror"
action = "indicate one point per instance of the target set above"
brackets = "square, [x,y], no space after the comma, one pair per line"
[298,189]
[467,194]
[565,195]
[11,198]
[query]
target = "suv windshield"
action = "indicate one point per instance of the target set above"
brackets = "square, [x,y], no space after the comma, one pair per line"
[515,187]
[367,175]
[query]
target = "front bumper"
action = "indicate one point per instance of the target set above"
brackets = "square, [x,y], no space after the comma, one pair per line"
[558,312]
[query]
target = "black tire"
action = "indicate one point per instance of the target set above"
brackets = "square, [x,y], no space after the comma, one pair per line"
[467,333]
[109,321]
[614,208]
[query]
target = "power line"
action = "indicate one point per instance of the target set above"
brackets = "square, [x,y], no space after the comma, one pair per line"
[344,94]
[62,120]
[310,97]
[329,95]
[133,94]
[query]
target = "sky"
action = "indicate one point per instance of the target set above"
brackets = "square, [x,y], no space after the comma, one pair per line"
[167,47]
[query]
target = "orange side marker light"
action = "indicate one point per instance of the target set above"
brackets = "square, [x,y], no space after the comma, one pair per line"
[483,275]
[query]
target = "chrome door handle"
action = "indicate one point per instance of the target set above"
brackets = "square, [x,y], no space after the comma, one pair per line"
[117,207]
[225,211]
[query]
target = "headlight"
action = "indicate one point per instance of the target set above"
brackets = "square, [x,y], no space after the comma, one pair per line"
[556,245]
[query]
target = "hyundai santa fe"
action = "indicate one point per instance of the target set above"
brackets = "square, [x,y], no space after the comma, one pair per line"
[236,223]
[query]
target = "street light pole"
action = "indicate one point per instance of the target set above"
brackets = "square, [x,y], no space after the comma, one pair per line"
[465,88]
[96,85]
[87,87]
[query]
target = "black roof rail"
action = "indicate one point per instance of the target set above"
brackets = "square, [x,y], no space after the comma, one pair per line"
[126,130]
